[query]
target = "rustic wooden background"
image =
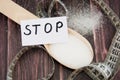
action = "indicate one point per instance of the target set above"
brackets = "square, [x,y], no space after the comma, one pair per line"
[35,63]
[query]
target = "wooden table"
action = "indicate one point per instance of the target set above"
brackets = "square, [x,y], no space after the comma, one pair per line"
[35,63]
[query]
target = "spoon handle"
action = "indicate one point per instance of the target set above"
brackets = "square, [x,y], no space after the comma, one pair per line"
[14,11]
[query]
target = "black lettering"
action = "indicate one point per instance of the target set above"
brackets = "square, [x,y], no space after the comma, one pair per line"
[36,25]
[113,59]
[58,25]
[115,52]
[111,65]
[118,39]
[102,66]
[108,72]
[50,28]
[29,31]
[117,45]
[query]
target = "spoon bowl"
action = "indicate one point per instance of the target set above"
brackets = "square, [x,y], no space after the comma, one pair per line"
[74,54]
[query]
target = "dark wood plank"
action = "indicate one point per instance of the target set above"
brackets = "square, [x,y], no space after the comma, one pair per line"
[115,5]
[36,63]
[105,33]
[3,47]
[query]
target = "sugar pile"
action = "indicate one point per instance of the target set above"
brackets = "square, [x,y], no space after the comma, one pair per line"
[75,53]
[83,21]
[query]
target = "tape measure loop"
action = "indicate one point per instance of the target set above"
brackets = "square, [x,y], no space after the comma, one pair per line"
[18,56]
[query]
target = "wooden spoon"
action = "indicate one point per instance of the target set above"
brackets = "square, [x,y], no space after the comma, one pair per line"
[74,54]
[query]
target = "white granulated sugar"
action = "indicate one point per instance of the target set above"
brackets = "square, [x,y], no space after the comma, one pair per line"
[84,22]
[73,54]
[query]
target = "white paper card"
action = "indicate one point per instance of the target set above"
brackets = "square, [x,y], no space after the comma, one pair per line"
[44,31]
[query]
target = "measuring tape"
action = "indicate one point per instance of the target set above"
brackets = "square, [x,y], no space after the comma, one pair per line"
[97,71]
[107,69]
[18,56]
[39,13]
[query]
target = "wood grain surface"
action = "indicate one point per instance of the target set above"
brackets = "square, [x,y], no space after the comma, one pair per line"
[36,62]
